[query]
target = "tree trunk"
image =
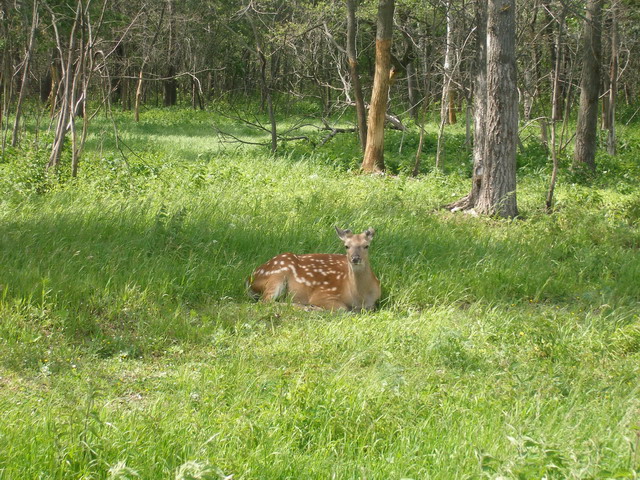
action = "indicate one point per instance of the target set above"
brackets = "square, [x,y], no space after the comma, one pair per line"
[138,98]
[479,110]
[374,152]
[25,75]
[416,165]
[5,76]
[531,68]
[447,106]
[549,36]
[586,130]
[411,90]
[355,76]
[497,195]
[136,107]
[555,109]
[66,107]
[170,88]
[613,81]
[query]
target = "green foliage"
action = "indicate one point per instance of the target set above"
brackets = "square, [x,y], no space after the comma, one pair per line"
[129,349]
[23,170]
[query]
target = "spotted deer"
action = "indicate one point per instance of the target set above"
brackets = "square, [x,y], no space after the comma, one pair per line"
[326,281]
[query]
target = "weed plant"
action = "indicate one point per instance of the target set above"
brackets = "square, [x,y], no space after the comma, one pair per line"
[128,348]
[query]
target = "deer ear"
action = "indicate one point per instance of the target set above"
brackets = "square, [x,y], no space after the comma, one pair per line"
[343,233]
[370,232]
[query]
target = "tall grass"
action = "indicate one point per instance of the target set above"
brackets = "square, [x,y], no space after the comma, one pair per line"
[128,348]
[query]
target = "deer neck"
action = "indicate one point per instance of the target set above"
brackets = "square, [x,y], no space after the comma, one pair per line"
[360,274]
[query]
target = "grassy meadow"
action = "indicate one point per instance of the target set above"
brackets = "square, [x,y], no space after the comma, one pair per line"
[128,349]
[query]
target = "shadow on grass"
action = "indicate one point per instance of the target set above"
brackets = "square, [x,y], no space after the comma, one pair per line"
[142,282]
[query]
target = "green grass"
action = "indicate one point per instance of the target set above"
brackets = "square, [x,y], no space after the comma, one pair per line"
[128,348]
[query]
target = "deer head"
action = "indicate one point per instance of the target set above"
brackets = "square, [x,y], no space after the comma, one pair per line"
[357,246]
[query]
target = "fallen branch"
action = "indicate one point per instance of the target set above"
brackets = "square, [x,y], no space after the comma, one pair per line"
[395,121]
[334,132]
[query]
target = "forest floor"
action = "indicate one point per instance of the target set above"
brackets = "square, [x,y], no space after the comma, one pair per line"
[128,348]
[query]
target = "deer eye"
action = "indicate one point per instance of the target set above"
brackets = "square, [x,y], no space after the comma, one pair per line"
[366,246]
[347,247]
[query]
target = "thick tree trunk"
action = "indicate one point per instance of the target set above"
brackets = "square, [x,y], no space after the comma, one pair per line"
[374,152]
[586,130]
[355,76]
[497,194]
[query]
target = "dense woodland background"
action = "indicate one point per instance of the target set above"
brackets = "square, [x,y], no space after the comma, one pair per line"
[81,58]
[155,152]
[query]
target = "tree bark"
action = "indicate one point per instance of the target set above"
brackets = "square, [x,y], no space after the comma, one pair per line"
[555,109]
[497,194]
[530,72]
[145,59]
[447,105]
[411,90]
[170,88]
[170,84]
[266,86]
[586,130]
[374,152]
[479,110]
[25,75]
[613,81]
[66,106]
[355,76]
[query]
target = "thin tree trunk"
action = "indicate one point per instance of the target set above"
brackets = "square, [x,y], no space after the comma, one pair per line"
[531,70]
[5,77]
[411,90]
[170,84]
[613,80]
[544,132]
[355,76]
[65,104]
[555,112]
[440,141]
[447,105]
[468,141]
[55,85]
[416,165]
[170,88]
[374,152]
[266,94]
[25,74]
[85,71]
[549,21]
[75,149]
[272,117]
[479,110]
[138,98]
[136,106]
[586,130]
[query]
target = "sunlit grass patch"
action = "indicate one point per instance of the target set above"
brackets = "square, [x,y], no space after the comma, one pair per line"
[129,348]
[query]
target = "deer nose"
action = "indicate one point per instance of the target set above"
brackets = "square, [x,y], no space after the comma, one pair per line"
[356,260]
